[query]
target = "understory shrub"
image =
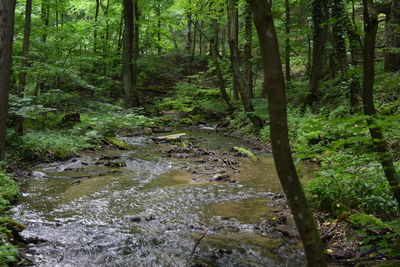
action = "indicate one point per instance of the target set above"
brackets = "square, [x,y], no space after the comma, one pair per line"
[348,176]
[52,144]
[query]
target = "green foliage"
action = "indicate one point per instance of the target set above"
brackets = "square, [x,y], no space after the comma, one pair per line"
[191,98]
[375,233]
[109,119]
[348,176]
[154,70]
[52,144]
[8,253]
[8,192]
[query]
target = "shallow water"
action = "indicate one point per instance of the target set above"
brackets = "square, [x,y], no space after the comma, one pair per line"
[150,212]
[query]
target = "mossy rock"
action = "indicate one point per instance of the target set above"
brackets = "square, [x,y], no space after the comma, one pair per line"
[11,224]
[245,152]
[115,164]
[117,143]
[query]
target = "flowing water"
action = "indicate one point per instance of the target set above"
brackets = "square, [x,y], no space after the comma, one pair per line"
[150,212]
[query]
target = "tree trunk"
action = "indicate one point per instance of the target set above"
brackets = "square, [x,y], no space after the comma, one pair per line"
[132,99]
[338,32]
[248,66]
[215,57]
[392,57]
[287,41]
[274,81]
[380,145]
[158,14]
[7,12]
[233,35]
[25,62]
[320,38]
[45,17]
[136,39]
[189,38]
[96,16]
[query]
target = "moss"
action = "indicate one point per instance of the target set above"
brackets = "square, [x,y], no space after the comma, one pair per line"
[117,143]
[11,224]
[245,152]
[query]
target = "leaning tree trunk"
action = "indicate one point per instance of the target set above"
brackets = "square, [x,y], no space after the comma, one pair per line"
[7,9]
[132,98]
[379,142]
[320,38]
[274,81]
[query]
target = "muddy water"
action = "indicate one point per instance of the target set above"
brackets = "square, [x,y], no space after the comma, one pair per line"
[150,212]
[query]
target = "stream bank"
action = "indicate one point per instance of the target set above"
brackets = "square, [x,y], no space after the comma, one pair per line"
[147,206]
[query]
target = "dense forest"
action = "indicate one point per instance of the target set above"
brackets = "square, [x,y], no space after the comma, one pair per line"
[315,83]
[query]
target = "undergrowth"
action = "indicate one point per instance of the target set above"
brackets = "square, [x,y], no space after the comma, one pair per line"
[8,192]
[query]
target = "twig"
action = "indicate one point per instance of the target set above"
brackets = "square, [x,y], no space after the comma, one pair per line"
[198,242]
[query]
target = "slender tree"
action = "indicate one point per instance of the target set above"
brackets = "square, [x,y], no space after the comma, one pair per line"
[215,58]
[320,37]
[392,56]
[287,41]
[45,17]
[248,66]
[128,62]
[233,39]
[274,81]
[378,139]
[96,18]
[25,61]
[7,12]
[338,32]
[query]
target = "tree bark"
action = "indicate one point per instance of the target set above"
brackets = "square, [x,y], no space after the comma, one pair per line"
[338,32]
[25,62]
[378,139]
[215,57]
[189,36]
[274,81]
[320,38]
[7,12]
[128,62]
[392,57]
[233,35]
[158,14]
[287,41]
[45,17]
[248,66]
[96,16]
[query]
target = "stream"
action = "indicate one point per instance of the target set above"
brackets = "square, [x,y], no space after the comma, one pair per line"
[139,207]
